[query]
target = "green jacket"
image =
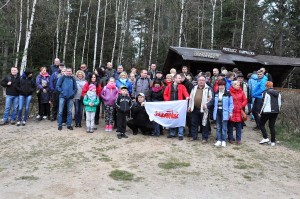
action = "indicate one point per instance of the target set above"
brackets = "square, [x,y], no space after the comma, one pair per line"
[86,102]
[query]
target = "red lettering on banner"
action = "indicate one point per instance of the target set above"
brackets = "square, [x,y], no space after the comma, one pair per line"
[169,114]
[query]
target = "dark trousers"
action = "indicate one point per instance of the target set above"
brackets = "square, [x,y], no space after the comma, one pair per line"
[39,102]
[196,120]
[189,122]
[54,100]
[121,122]
[263,120]
[45,109]
[257,105]
[238,126]
[146,128]
[97,115]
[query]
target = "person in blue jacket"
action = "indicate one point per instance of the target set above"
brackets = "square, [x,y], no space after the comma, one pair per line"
[223,107]
[67,87]
[257,95]
[124,81]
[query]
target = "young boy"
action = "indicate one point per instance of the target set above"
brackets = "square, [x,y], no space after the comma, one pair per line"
[123,104]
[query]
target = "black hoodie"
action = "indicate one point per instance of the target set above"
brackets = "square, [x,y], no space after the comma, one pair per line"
[13,88]
[123,103]
[26,86]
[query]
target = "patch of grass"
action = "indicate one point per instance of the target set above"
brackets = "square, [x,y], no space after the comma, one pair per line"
[243,166]
[289,140]
[29,178]
[229,155]
[121,175]
[2,169]
[236,148]
[247,177]
[105,158]
[173,163]
[240,160]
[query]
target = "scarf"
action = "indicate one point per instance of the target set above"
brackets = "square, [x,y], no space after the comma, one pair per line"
[91,95]
[111,86]
[156,90]
[123,81]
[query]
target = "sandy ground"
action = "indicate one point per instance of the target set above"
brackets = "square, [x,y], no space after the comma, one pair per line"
[38,161]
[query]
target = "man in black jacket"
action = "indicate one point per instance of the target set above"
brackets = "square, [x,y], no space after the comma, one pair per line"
[11,83]
[140,117]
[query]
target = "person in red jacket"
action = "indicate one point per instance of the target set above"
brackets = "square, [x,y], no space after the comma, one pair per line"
[85,89]
[176,91]
[239,102]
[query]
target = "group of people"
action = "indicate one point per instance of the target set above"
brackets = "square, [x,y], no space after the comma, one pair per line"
[222,98]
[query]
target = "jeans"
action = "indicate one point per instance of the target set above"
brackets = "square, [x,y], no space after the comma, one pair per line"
[180,131]
[196,120]
[256,110]
[78,111]
[69,103]
[238,126]
[11,101]
[90,120]
[272,119]
[221,126]
[24,100]
[156,128]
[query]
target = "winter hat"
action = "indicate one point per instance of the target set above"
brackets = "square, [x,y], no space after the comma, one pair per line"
[156,81]
[240,75]
[28,71]
[92,87]
[124,87]
[269,84]
[141,94]
[221,82]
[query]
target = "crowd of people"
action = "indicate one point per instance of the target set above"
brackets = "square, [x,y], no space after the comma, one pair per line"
[223,98]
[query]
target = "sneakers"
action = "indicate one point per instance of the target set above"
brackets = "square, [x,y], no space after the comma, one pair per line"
[223,144]
[106,127]
[12,122]
[23,123]
[110,128]
[18,123]
[59,128]
[218,143]
[119,136]
[263,141]
[3,123]
[70,128]
[180,138]
[44,117]
[38,117]
[273,144]
[124,135]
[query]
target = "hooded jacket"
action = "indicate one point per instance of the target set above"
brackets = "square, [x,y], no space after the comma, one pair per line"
[127,83]
[13,88]
[66,86]
[260,87]
[26,86]
[109,95]
[239,102]
[139,113]
[123,103]
[182,92]
[252,82]
[87,101]
[271,101]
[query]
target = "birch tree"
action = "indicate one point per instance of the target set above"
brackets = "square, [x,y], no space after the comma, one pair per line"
[118,2]
[103,33]
[76,36]
[28,36]
[181,22]
[57,27]
[152,36]
[123,31]
[96,35]
[213,3]
[202,24]
[67,30]
[20,33]
[158,30]
[86,31]
[243,25]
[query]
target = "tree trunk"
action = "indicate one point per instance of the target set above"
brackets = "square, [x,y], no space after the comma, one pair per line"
[158,31]
[67,30]
[57,28]
[118,2]
[5,64]
[28,36]
[20,33]
[243,25]
[234,30]
[121,32]
[86,31]
[221,14]
[152,36]
[76,36]
[125,30]
[202,24]
[181,22]
[213,3]
[96,35]
[103,34]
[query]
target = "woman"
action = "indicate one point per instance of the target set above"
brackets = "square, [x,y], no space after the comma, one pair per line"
[124,81]
[43,86]
[168,80]
[223,107]
[26,88]
[85,89]
[270,109]
[78,103]
[239,102]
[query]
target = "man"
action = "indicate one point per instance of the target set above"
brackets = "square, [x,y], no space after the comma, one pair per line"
[257,94]
[152,71]
[11,83]
[110,72]
[54,67]
[54,93]
[87,73]
[159,77]
[140,117]
[214,78]
[200,97]
[142,85]
[120,69]
[184,70]
[229,78]
[176,91]
[268,75]
[67,87]
[134,71]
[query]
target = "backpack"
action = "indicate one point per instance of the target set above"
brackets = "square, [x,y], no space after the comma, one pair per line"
[137,81]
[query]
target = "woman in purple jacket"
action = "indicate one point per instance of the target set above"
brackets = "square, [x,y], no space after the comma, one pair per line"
[109,94]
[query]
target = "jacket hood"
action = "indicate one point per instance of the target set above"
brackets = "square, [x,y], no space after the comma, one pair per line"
[273,92]
[235,91]
[254,77]
[264,78]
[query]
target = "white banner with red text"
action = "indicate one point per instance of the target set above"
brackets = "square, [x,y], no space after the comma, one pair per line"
[169,114]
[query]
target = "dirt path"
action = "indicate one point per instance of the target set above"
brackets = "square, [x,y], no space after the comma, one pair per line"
[37,161]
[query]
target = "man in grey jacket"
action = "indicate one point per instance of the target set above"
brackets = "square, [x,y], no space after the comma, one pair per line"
[142,85]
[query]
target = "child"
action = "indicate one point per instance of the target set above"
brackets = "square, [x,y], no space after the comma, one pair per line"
[90,101]
[109,95]
[123,104]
